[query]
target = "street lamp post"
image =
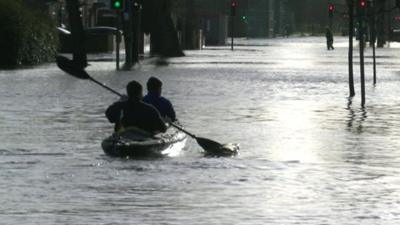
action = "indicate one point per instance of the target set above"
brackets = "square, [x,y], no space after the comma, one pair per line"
[233,14]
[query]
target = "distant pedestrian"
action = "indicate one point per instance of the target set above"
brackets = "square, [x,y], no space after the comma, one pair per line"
[329,39]
[287,31]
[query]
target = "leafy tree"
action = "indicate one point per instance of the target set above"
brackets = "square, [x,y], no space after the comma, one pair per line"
[27,36]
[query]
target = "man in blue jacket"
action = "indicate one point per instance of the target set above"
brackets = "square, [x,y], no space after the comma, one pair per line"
[134,112]
[154,98]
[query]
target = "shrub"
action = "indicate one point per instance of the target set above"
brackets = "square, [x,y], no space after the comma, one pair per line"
[27,36]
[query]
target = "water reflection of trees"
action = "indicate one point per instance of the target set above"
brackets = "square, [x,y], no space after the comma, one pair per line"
[355,119]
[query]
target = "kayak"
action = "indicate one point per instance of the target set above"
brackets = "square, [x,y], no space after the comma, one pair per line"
[135,142]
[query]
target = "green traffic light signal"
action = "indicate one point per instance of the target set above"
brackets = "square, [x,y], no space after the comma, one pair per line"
[117,4]
[244,17]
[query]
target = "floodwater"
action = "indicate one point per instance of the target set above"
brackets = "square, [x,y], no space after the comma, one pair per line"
[309,155]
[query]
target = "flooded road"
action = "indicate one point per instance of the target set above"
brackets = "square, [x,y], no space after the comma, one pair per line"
[309,155]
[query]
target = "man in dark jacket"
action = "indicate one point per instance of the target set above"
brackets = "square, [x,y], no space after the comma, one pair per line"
[329,39]
[134,112]
[154,98]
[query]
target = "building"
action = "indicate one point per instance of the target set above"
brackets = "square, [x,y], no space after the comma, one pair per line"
[256,18]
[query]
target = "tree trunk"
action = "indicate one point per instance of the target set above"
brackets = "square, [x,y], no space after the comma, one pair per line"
[77,33]
[380,23]
[189,25]
[158,22]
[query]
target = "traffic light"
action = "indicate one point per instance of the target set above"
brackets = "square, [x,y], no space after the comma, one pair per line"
[233,8]
[363,4]
[331,8]
[117,4]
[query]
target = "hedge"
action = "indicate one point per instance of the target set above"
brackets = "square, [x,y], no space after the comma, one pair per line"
[27,36]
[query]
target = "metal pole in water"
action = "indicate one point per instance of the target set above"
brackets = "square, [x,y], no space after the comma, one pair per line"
[373,38]
[374,59]
[118,39]
[232,32]
[361,43]
[362,72]
[233,14]
[118,36]
[350,54]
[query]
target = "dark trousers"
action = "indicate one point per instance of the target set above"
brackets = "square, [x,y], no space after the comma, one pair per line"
[329,45]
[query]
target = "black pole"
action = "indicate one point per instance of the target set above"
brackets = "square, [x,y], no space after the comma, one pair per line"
[374,58]
[373,39]
[118,38]
[351,35]
[361,43]
[137,30]
[233,14]
[128,36]
[232,30]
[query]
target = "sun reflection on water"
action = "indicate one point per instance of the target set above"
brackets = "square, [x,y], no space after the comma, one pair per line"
[296,137]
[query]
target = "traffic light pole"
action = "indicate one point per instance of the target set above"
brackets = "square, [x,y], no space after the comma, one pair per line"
[373,39]
[118,6]
[331,8]
[232,30]
[361,38]
[137,30]
[350,54]
[128,35]
[233,14]
[362,71]
[374,57]
[118,38]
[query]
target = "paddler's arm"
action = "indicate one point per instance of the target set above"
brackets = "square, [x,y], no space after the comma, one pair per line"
[113,112]
[158,123]
[167,109]
[170,111]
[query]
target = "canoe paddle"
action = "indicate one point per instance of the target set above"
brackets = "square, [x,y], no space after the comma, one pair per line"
[211,147]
